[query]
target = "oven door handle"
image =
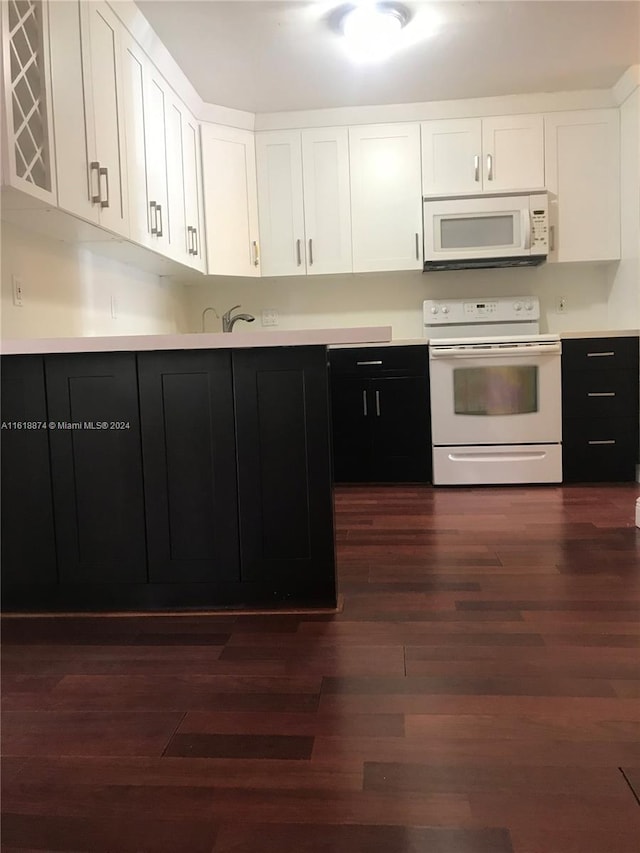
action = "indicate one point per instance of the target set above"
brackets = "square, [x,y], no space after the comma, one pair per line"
[471,353]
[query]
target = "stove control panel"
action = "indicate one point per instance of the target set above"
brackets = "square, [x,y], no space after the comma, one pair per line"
[503,309]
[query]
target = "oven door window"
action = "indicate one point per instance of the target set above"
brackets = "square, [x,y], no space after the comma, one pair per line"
[495,391]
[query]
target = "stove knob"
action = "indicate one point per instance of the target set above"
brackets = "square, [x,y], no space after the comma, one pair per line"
[445,310]
[434,310]
[529,306]
[517,306]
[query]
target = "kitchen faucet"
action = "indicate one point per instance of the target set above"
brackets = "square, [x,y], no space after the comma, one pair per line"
[228,321]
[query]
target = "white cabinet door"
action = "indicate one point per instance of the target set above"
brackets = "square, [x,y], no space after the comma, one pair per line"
[230,201]
[74,132]
[134,65]
[156,109]
[386,198]
[582,149]
[103,89]
[513,153]
[86,73]
[280,202]
[193,192]
[451,156]
[327,200]
[176,220]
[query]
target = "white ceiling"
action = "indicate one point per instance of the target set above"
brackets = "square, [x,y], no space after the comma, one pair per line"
[280,55]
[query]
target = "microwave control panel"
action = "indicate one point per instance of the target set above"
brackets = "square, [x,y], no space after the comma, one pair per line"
[539,227]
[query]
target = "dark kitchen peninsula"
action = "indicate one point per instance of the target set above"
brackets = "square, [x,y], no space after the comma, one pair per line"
[151,479]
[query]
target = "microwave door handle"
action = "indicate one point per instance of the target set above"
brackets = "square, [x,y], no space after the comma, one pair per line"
[527,229]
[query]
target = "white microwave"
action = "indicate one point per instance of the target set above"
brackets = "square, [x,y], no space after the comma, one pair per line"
[471,232]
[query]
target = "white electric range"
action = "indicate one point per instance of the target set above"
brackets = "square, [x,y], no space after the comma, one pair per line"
[495,392]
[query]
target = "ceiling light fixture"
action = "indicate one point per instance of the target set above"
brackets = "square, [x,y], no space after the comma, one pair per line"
[371,30]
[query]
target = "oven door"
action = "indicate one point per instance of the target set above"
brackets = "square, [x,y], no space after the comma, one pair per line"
[496,394]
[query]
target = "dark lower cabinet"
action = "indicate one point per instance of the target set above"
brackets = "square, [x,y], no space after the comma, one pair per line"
[190,478]
[284,468]
[600,380]
[380,414]
[28,539]
[96,467]
[189,454]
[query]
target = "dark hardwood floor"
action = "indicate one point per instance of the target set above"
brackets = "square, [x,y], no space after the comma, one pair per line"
[477,692]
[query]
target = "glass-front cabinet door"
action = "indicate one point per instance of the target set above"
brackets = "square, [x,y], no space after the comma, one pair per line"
[28,161]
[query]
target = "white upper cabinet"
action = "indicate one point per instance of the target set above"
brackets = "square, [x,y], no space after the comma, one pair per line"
[193,201]
[497,154]
[327,200]
[162,155]
[304,201]
[386,198]
[281,202]
[582,150]
[28,150]
[230,201]
[87,92]
[451,156]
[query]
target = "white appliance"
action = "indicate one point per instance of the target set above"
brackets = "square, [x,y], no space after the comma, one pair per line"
[471,232]
[495,392]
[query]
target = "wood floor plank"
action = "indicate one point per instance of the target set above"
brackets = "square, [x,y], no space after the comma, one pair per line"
[319,838]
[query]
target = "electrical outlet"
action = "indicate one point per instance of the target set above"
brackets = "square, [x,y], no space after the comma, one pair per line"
[269,317]
[17,291]
[561,306]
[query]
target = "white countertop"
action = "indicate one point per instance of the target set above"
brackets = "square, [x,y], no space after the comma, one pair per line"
[601,333]
[590,333]
[233,340]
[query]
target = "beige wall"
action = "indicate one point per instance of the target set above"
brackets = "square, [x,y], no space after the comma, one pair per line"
[67,292]
[624,300]
[396,298]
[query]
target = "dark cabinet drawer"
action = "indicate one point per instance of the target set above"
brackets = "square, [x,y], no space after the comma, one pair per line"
[600,393]
[600,354]
[600,450]
[380,361]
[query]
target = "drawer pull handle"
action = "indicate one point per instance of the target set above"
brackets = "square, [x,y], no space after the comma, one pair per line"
[605,441]
[601,394]
[599,354]
[362,363]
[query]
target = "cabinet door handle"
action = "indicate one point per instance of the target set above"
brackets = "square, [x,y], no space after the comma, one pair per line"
[489,167]
[552,238]
[189,240]
[94,169]
[159,213]
[605,441]
[417,246]
[310,251]
[103,172]
[153,217]
[256,258]
[196,246]
[299,252]
[601,393]
[362,363]
[377,404]
[476,168]
[364,403]
[600,354]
